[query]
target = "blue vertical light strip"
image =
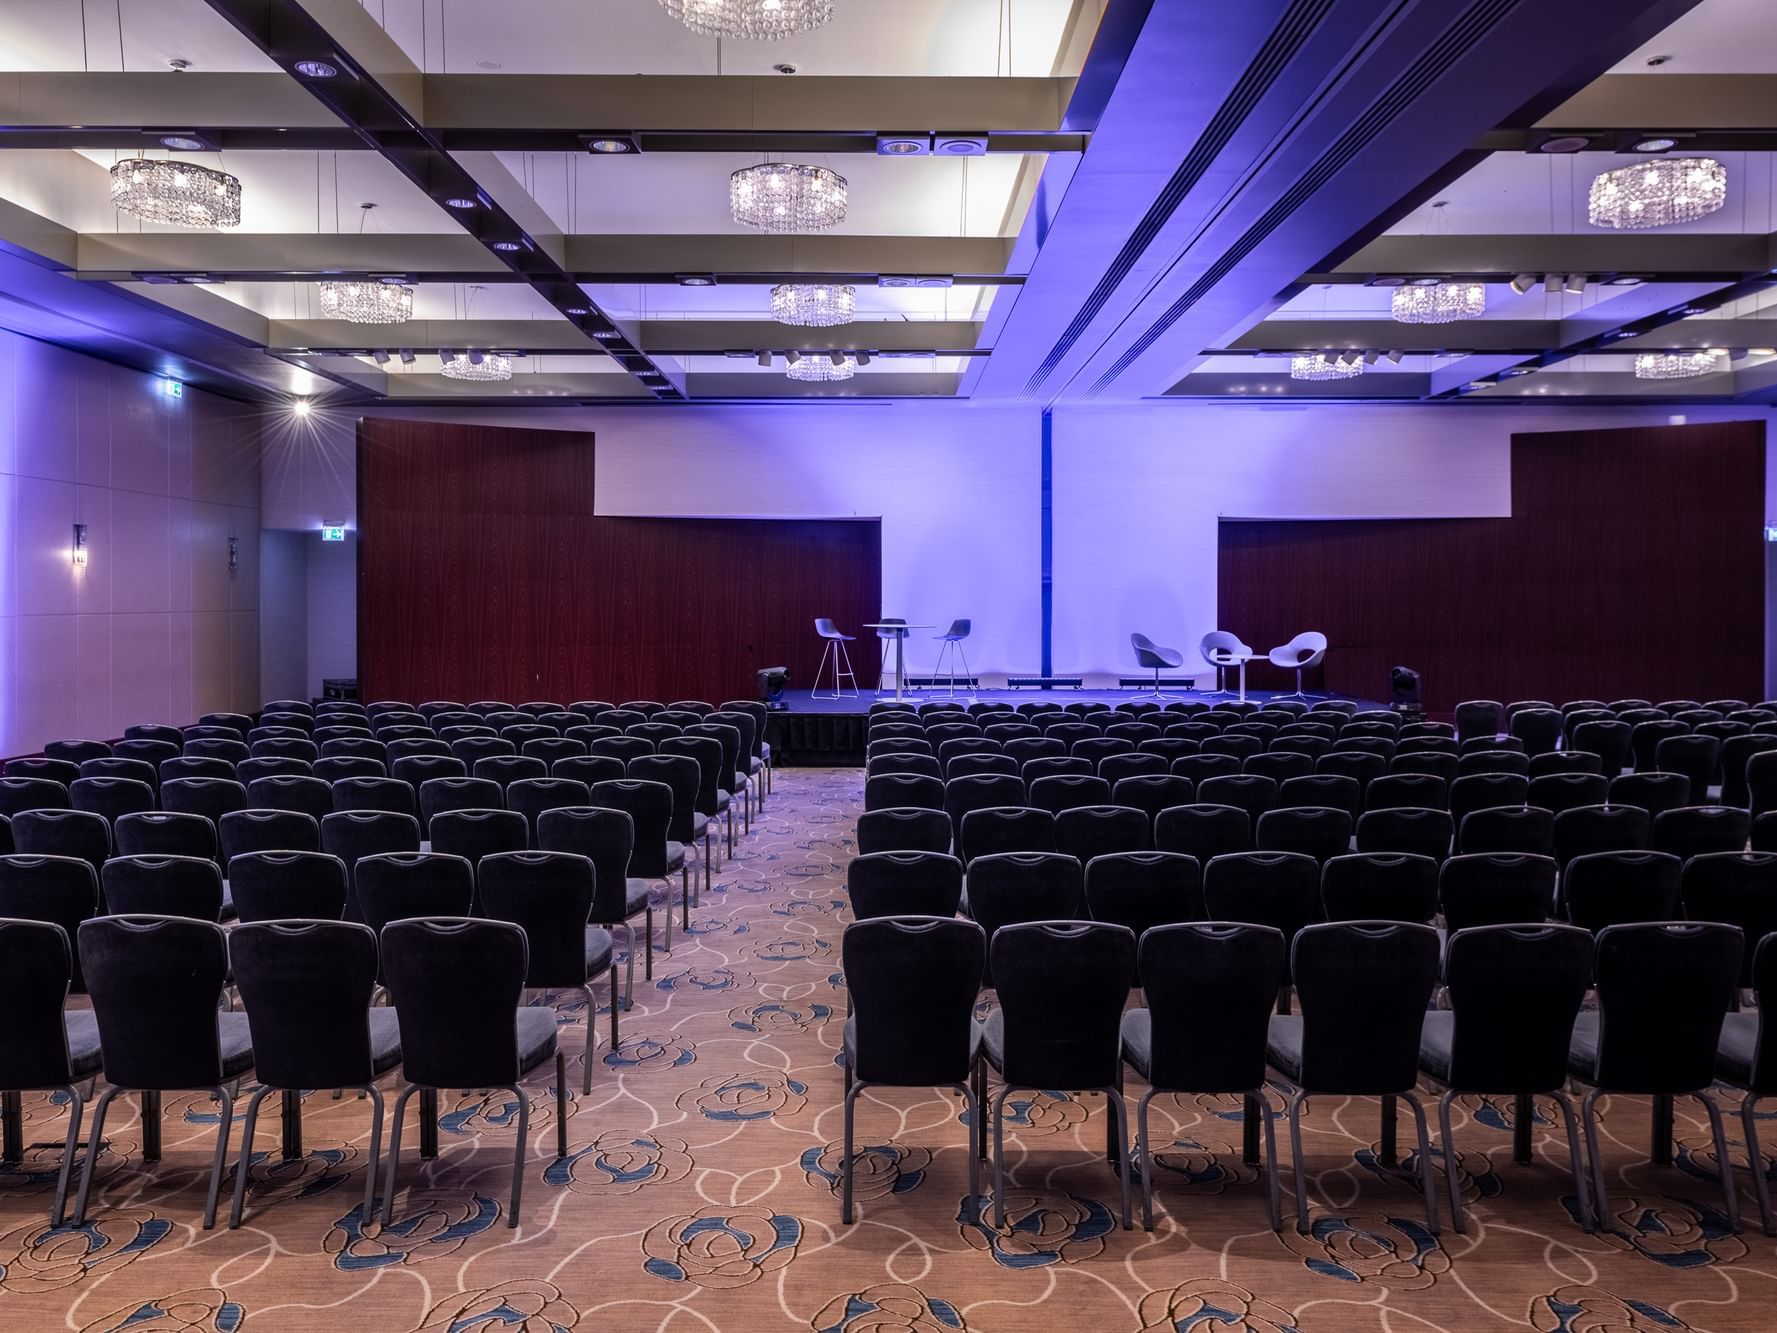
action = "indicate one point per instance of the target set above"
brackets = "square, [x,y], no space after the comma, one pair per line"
[1048,521]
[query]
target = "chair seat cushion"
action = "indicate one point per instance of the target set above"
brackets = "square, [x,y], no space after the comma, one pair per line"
[1737,1049]
[700,827]
[675,856]
[1582,1047]
[228,912]
[385,1039]
[536,1037]
[83,1042]
[723,801]
[1138,1040]
[599,947]
[237,1044]
[1283,1045]
[636,895]
[1437,1039]
[992,1038]
[755,765]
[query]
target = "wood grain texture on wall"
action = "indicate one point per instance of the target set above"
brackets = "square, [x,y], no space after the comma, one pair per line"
[1631,565]
[485,573]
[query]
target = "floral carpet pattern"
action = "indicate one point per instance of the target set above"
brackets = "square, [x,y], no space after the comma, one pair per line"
[700,1190]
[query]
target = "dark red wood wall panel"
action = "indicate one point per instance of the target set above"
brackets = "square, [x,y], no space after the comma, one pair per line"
[1632,565]
[484,573]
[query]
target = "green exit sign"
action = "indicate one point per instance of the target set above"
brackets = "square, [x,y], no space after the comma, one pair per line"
[333,532]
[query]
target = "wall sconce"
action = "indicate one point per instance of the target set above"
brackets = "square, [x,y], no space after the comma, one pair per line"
[234,555]
[79,549]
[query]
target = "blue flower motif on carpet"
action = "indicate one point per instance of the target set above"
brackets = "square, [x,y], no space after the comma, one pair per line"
[1394,1252]
[200,1310]
[620,1163]
[701,979]
[721,1250]
[669,1052]
[430,1225]
[38,1258]
[776,1018]
[1676,1233]
[878,1170]
[888,1308]
[745,1097]
[1590,1310]
[1211,1305]
[525,1305]
[1039,1231]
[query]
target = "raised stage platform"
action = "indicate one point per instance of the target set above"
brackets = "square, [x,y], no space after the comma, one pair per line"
[820,731]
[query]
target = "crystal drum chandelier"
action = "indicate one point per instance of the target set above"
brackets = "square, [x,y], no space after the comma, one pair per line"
[814,305]
[787,197]
[485,367]
[1675,365]
[1320,366]
[765,20]
[181,194]
[367,302]
[1657,194]
[1442,303]
[816,369]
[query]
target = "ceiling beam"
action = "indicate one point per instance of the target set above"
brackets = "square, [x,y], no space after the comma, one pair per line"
[1671,102]
[1679,257]
[1469,335]
[1401,385]
[665,337]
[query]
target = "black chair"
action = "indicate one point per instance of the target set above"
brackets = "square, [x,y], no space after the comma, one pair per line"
[1693,830]
[1086,831]
[1600,828]
[607,838]
[352,835]
[1276,889]
[913,982]
[1738,888]
[1022,749]
[1062,986]
[249,771]
[1361,768]
[903,830]
[1645,738]
[1005,829]
[1203,831]
[902,791]
[1152,793]
[210,797]
[338,767]
[43,1048]
[1556,792]
[1208,994]
[1364,987]
[1009,888]
[156,984]
[904,884]
[1496,889]
[1697,757]
[1745,1059]
[305,795]
[58,890]
[111,798]
[1538,728]
[1066,791]
[1514,993]
[456,986]
[1512,828]
[63,833]
[394,886]
[1279,765]
[924,765]
[549,895]
[1657,1040]
[1380,886]
[1492,761]
[146,751]
[1035,770]
[185,886]
[1610,741]
[1418,791]
[1617,888]
[245,831]
[507,769]
[59,771]
[1420,832]
[531,797]
[1479,718]
[656,855]
[981,791]
[1324,790]
[1200,768]
[157,833]
[283,886]
[306,986]
[1486,791]
[439,795]
[1318,831]
[1142,890]
[1565,761]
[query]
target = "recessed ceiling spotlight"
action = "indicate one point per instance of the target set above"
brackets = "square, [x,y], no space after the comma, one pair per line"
[785,67]
[1655,145]
[1388,280]
[576,310]
[961,145]
[607,335]
[316,69]
[1424,282]
[696,279]
[458,201]
[506,247]
[1523,282]
[1575,284]
[184,143]
[488,64]
[902,145]
[1654,62]
[1625,280]
[1516,371]
[1565,143]
[609,145]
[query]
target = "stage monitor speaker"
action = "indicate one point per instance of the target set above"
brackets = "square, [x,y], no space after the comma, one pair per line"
[1403,687]
[771,682]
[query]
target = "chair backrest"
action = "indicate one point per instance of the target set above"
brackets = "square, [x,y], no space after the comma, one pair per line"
[62,833]
[903,790]
[110,797]
[1514,993]
[1363,988]
[1011,828]
[1556,792]
[1064,791]
[531,797]
[1277,889]
[1086,831]
[1510,828]
[1486,791]
[1492,760]
[913,982]
[157,833]
[455,984]
[352,835]
[548,895]
[1009,887]
[1062,988]
[1332,791]
[210,797]
[244,831]
[1419,832]
[650,806]
[903,830]
[1663,990]
[1693,830]
[36,964]
[156,983]
[904,884]
[1599,828]
[1203,830]
[61,890]
[188,886]
[306,986]
[1738,888]
[1318,831]
[438,795]
[1479,717]
[1496,889]
[473,834]
[1142,890]
[288,791]
[1380,886]
[604,836]
[286,885]
[1417,791]
[1538,728]
[1152,793]
[1612,888]
[392,886]
[1209,988]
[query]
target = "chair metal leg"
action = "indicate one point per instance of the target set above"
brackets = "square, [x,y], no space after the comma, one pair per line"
[1275,1186]
[974,1106]
[1574,1159]
[706,866]
[394,1154]
[518,1155]
[1448,1138]
[1523,1122]
[150,1102]
[1389,1153]
[1119,1109]
[851,1097]
[12,1126]
[592,1011]
[1294,1109]
[667,902]
[629,963]
[1724,1167]
[92,1153]
[224,1096]
[826,652]
[648,960]
[1600,1194]
[685,894]
[1755,1160]
[561,1102]
[1425,1178]
[615,1006]
[1249,1130]
[72,1145]
[1660,1144]
[240,1176]
[1144,1152]
[999,1158]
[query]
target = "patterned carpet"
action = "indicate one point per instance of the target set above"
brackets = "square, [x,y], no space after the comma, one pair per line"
[700,1192]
